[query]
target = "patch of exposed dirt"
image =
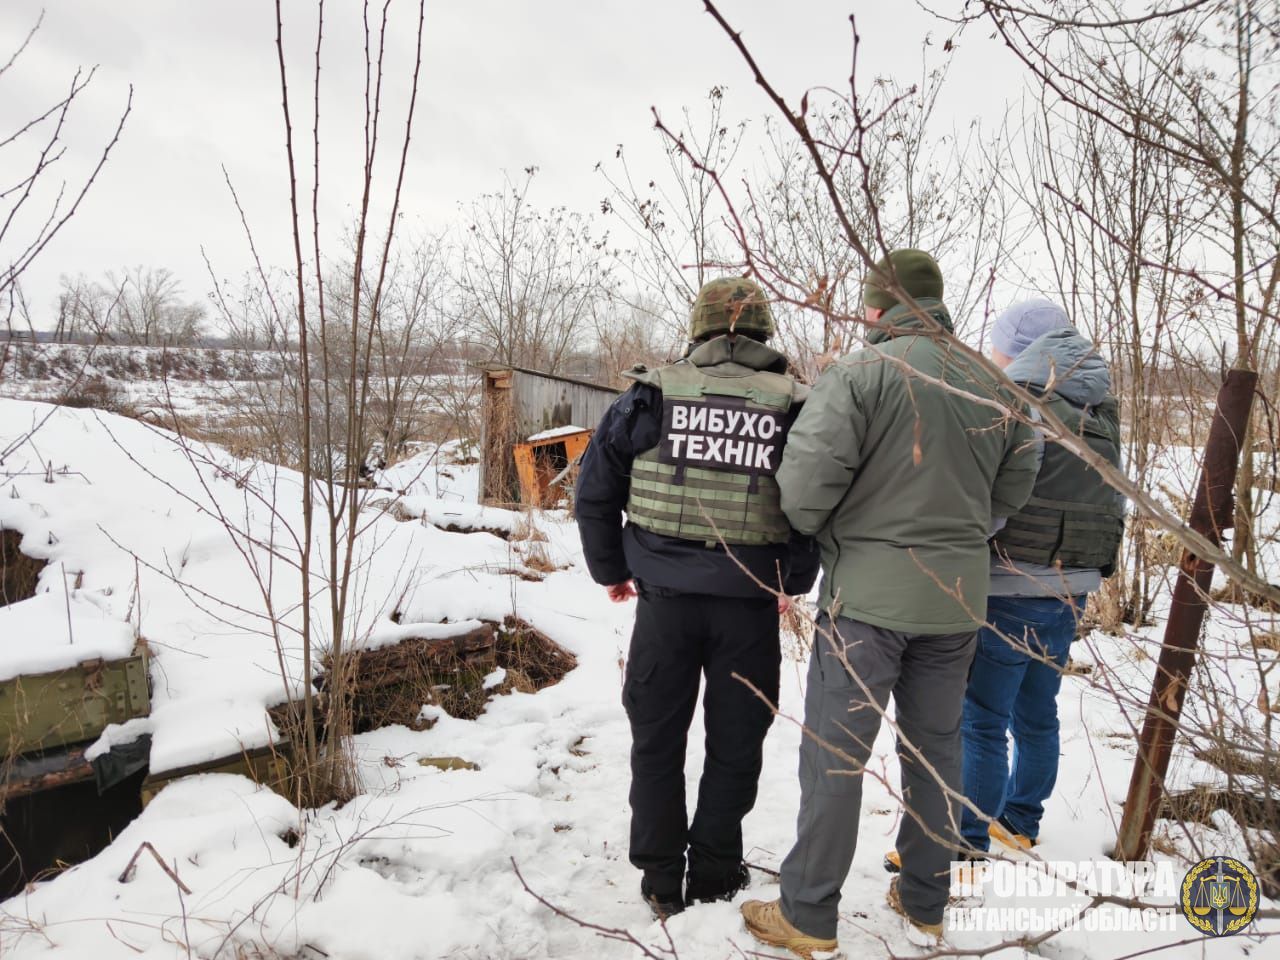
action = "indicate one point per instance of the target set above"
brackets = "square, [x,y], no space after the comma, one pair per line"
[18,572]
[392,684]
[397,511]
[533,654]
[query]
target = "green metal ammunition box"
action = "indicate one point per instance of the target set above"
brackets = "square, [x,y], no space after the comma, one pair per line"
[44,710]
[268,766]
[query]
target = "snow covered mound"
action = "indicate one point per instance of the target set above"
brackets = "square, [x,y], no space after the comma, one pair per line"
[184,547]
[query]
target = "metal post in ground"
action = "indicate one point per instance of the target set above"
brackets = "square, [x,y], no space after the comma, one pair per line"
[1210,515]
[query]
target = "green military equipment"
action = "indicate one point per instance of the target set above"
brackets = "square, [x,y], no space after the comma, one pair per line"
[1073,519]
[730,305]
[268,766]
[711,476]
[45,710]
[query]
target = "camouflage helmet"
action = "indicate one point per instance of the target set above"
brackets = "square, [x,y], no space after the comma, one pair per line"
[730,305]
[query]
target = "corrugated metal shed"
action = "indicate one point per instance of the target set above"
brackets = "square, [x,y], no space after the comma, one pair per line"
[519,403]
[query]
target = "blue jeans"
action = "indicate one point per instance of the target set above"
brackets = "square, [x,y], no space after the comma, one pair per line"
[1013,686]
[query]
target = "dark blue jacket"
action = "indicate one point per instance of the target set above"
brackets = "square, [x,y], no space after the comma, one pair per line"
[615,553]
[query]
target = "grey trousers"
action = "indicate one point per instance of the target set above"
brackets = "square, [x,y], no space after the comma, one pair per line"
[927,675]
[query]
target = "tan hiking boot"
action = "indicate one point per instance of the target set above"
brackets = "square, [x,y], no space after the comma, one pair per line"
[967,876]
[766,923]
[1014,841]
[920,933]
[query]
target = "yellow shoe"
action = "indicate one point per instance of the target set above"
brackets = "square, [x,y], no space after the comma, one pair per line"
[920,933]
[893,862]
[1016,841]
[766,923]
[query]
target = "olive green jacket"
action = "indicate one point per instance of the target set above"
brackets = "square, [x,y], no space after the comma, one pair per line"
[899,478]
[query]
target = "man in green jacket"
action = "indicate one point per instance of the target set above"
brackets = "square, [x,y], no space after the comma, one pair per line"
[900,460]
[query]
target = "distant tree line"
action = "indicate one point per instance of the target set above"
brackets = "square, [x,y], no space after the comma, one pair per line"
[144,306]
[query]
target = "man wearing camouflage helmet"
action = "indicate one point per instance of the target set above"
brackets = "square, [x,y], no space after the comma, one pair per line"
[689,454]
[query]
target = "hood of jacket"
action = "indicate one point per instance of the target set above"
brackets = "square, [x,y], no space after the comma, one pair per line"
[1065,362]
[740,350]
[902,320]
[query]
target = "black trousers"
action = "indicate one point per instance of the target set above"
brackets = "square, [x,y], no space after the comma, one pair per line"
[678,639]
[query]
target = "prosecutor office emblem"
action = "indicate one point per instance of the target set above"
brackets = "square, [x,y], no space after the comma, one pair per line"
[1219,896]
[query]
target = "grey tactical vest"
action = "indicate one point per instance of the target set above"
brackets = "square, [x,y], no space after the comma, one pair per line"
[1073,519]
[711,476]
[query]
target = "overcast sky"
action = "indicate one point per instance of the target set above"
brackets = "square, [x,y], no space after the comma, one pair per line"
[506,84]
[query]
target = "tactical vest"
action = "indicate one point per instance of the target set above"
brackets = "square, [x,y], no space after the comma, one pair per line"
[1073,519]
[711,476]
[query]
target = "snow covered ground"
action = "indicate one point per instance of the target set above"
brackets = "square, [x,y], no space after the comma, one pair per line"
[198,384]
[424,863]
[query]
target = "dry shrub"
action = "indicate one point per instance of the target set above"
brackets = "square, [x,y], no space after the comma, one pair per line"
[527,529]
[390,685]
[538,558]
[522,573]
[1198,805]
[1266,861]
[797,629]
[1162,843]
[1105,610]
[1233,593]
[500,432]
[1238,763]
[1265,640]
[19,573]
[1161,548]
[393,508]
[97,393]
[237,433]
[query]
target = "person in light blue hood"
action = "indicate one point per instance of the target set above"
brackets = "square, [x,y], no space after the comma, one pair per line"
[1045,560]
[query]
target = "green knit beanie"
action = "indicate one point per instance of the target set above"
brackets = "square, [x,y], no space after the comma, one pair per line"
[916,272]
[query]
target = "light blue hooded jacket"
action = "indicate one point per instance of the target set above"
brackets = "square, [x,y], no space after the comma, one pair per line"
[1068,363]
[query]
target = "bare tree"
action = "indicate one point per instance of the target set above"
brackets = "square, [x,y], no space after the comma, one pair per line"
[915,183]
[334,343]
[29,219]
[35,207]
[1219,123]
[1142,315]
[528,281]
[409,328]
[151,310]
[674,216]
[627,336]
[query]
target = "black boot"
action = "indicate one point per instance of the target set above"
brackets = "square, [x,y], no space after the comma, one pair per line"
[708,889]
[663,903]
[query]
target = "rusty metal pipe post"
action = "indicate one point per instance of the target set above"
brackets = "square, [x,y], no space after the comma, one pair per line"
[1211,513]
